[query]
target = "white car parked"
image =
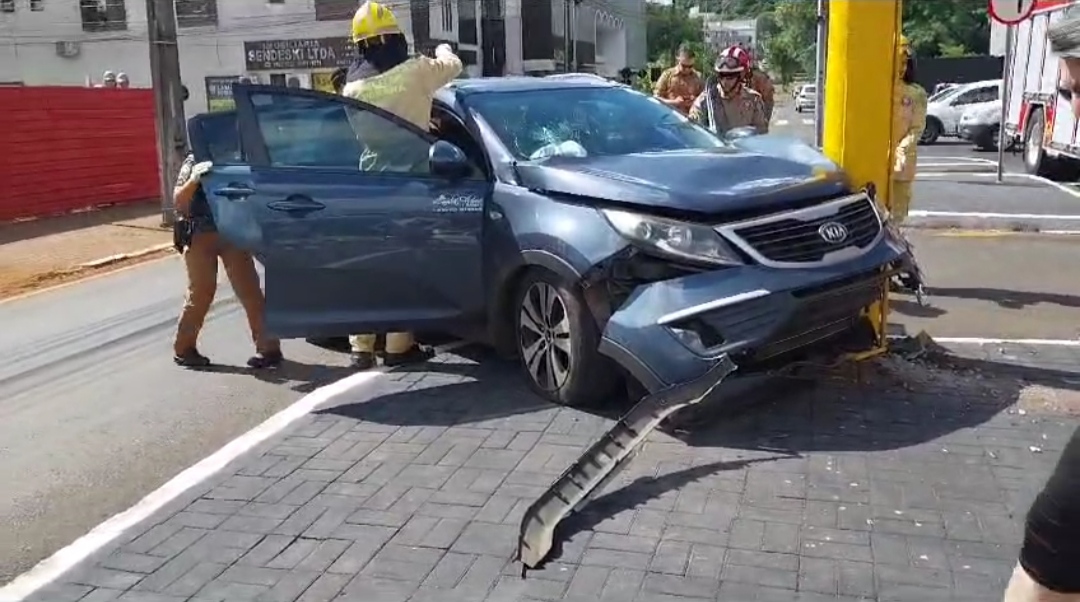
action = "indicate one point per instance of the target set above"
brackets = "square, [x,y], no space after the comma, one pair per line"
[806,99]
[945,108]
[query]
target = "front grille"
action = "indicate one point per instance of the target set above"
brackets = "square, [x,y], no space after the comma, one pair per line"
[795,239]
[823,313]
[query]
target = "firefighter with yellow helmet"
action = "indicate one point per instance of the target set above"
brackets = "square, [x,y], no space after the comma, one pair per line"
[909,121]
[384,75]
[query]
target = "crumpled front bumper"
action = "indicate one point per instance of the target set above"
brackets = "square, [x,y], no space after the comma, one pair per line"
[673,331]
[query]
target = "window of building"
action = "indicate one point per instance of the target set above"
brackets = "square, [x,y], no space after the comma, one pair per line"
[335,10]
[7,6]
[103,15]
[467,22]
[37,5]
[448,15]
[195,13]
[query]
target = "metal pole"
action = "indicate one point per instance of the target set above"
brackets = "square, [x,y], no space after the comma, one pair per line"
[567,44]
[819,74]
[1006,83]
[168,98]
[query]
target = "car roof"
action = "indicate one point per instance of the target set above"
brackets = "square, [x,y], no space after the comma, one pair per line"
[979,84]
[488,85]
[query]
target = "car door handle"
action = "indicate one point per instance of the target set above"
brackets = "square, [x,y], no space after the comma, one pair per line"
[235,191]
[296,204]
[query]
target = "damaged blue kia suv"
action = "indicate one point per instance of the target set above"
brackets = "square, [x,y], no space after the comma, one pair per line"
[575,223]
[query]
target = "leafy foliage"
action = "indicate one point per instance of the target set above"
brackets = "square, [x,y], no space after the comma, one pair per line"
[788,29]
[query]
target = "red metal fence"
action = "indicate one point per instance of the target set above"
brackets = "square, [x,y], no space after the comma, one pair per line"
[64,148]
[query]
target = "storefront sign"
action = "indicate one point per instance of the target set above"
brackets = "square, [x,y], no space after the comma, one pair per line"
[219,92]
[322,53]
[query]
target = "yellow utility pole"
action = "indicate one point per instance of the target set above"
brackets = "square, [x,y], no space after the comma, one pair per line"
[860,80]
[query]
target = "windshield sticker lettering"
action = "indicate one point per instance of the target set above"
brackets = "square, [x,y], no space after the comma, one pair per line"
[458,203]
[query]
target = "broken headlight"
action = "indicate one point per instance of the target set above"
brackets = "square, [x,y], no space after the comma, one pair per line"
[671,238]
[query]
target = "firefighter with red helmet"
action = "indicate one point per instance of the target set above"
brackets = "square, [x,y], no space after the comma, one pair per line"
[760,82]
[727,103]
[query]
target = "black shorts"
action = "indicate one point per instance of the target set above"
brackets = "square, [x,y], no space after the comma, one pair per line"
[1051,552]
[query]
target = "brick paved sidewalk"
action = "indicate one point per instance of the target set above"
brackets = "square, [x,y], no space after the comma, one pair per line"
[412,490]
[50,250]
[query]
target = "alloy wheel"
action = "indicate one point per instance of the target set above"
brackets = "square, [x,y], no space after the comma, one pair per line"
[544,336]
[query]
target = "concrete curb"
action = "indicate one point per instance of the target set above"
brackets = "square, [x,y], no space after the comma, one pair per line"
[111,259]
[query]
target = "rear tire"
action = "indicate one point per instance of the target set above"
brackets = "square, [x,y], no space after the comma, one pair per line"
[558,342]
[932,131]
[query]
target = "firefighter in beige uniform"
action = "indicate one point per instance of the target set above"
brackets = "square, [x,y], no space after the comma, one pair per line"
[733,105]
[909,121]
[383,75]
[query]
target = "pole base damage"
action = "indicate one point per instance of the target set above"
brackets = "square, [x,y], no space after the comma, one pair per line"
[604,459]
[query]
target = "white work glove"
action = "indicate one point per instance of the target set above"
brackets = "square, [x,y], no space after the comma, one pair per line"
[443,50]
[199,169]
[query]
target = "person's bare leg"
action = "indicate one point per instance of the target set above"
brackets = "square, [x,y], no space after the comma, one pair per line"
[1022,588]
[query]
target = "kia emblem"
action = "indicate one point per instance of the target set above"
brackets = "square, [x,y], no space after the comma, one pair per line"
[833,232]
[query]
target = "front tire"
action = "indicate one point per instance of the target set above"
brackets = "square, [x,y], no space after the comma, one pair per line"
[932,131]
[558,342]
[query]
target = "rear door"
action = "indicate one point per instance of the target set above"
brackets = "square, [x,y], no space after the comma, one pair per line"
[337,201]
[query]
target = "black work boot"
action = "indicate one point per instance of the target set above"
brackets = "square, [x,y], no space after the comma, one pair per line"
[416,355]
[363,360]
[265,360]
[191,359]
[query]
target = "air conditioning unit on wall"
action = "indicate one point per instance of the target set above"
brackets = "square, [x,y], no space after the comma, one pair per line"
[68,50]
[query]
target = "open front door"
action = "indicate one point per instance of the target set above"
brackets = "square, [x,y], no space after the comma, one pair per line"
[338,202]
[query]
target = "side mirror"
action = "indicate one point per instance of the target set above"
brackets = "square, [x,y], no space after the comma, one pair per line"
[447,160]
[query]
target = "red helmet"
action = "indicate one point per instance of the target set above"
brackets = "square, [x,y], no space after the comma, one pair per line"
[732,60]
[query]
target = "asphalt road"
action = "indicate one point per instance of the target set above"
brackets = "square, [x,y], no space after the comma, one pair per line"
[1019,286]
[94,415]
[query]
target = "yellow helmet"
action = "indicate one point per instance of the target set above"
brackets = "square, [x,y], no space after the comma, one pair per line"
[904,46]
[372,20]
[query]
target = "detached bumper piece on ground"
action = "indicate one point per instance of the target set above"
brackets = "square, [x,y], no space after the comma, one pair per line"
[603,460]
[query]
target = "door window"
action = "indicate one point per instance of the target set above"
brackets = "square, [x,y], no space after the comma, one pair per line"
[984,94]
[302,130]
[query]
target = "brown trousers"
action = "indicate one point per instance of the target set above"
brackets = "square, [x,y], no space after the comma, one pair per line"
[201,261]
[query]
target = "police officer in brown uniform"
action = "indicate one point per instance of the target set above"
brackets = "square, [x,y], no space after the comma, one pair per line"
[760,82]
[729,104]
[196,237]
[681,84]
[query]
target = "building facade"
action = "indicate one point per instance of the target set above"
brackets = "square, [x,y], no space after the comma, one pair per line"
[299,42]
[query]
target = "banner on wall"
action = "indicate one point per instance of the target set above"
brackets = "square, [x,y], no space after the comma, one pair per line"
[219,92]
[299,54]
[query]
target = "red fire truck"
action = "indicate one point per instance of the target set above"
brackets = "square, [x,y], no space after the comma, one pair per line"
[1035,117]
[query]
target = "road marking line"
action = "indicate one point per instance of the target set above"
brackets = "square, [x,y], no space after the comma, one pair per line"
[1047,181]
[969,165]
[782,122]
[808,122]
[50,569]
[964,159]
[976,214]
[991,341]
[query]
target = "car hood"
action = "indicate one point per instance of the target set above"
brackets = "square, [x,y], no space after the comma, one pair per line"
[758,173]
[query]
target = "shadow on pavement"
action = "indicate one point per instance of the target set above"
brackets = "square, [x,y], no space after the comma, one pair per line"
[913,309]
[893,404]
[46,226]
[298,376]
[639,492]
[1005,298]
